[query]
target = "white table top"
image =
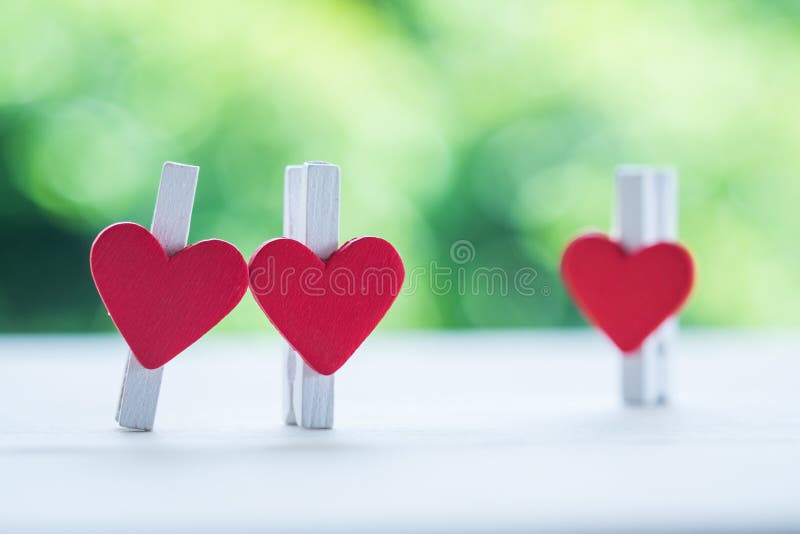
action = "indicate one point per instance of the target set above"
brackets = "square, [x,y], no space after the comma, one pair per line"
[434,432]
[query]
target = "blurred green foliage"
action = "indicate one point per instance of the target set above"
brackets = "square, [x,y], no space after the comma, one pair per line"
[497,122]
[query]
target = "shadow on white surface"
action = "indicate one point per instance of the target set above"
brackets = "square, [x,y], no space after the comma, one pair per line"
[509,431]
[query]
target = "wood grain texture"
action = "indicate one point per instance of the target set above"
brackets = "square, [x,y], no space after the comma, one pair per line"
[161,304]
[138,398]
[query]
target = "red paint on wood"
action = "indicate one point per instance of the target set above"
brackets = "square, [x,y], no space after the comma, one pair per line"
[326,309]
[627,296]
[162,304]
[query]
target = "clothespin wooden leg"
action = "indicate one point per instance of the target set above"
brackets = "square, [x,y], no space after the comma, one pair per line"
[666,200]
[294,226]
[140,387]
[312,202]
[636,219]
[313,397]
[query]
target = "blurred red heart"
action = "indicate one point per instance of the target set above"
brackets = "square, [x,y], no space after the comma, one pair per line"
[326,309]
[627,296]
[162,304]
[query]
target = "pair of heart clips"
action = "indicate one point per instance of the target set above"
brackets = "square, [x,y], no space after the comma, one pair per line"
[326,307]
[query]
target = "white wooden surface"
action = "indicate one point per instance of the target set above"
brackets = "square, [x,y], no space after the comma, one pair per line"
[639,208]
[528,435]
[317,203]
[138,398]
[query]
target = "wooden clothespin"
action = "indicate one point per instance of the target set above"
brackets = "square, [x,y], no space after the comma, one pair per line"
[647,213]
[632,285]
[173,213]
[325,300]
[311,216]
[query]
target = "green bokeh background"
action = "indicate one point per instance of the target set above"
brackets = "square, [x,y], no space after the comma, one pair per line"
[497,122]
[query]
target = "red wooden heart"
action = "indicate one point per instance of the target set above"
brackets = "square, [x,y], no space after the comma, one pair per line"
[162,304]
[326,309]
[627,296]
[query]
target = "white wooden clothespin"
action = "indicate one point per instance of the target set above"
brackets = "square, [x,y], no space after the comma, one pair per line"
[311,216]
[140,386]
[647,213]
